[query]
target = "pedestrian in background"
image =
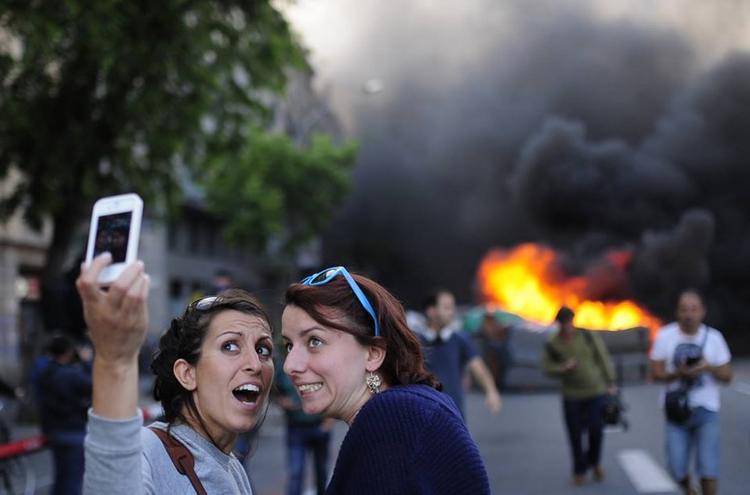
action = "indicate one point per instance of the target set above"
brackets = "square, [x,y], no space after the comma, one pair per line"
[305,433]
[495,337]
[352,357]
[62,389]
[221,281]
[687,353]
[448,352]
[581,361]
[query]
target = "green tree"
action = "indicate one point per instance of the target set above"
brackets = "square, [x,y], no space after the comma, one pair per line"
[273,189]
[126,95]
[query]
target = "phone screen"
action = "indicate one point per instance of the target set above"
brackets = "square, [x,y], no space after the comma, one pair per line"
[112,234]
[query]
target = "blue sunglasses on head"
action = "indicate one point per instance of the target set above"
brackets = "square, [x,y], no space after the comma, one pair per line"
[325,276]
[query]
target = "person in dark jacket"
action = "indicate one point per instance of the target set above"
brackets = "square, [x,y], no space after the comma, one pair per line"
[352,357]
[304,433]
[449,352]
[63,394]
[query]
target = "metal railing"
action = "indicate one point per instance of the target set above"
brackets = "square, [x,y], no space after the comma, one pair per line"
[17,477]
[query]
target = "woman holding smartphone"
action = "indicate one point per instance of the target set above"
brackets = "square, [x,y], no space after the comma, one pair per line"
[213,370]
[352,357]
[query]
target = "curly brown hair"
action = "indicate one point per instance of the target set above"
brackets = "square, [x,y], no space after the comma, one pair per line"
[183,340]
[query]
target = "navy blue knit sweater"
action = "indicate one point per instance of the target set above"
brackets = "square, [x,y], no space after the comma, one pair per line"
[409,440]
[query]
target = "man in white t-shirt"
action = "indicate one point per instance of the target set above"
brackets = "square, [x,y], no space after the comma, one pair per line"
[690,354]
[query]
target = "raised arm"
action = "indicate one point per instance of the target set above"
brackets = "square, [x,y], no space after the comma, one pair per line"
[117,322]
[117,319]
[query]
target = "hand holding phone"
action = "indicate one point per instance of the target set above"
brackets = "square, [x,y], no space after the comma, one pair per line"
[117,321]
[115,228]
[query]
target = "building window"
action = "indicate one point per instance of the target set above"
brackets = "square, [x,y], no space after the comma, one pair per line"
[177,300]
[173,235]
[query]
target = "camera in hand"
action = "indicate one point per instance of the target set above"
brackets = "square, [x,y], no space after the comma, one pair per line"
[693,360]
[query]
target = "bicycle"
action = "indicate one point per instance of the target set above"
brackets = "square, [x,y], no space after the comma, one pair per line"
[16,475]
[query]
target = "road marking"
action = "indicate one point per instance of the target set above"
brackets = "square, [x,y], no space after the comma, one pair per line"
[644,473]
[741,387]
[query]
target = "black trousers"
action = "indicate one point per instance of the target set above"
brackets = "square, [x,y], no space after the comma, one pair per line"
[583,418]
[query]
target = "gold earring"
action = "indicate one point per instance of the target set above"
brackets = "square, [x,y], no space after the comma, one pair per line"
[373,382]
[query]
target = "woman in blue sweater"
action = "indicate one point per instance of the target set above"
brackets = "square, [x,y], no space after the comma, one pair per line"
[352,357]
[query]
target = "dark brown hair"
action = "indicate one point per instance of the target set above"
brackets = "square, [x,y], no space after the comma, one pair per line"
[564,315]
[432,297]
[183,340]
[335,305]
[691,290]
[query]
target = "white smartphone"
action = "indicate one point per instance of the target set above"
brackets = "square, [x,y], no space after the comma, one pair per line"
[115,228]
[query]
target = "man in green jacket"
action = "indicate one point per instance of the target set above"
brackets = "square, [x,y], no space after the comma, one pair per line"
[580,359]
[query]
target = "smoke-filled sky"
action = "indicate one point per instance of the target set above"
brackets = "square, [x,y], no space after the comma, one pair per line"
[587,125]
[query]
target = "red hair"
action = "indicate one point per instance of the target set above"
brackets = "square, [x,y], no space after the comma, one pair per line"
[335,305]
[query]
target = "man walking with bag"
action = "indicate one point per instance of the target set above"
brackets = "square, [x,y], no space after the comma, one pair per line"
[690,356]
[581,361]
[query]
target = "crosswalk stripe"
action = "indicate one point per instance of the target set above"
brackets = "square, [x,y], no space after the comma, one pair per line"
[644,473]
[742,387]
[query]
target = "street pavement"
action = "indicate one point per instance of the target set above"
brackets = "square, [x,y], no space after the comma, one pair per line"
[526,452]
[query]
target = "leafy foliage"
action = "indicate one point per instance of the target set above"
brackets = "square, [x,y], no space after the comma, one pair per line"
[113,96]
[274,190]
[110,96]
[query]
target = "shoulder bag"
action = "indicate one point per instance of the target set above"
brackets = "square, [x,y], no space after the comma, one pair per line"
[614,406]
[181,457]
[676,403]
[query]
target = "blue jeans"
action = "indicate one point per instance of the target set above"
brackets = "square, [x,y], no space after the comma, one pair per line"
[300,439]
[700,434]
[584,416]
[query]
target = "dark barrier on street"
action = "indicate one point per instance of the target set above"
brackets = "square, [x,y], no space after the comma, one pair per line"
[628,348]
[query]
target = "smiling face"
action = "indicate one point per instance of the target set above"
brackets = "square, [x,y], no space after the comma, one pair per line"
[327,366]
[232,378]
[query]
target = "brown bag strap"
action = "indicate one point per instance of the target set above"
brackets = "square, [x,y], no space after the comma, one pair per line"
[181,457]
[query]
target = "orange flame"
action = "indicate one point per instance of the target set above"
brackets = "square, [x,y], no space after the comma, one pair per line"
[528,281]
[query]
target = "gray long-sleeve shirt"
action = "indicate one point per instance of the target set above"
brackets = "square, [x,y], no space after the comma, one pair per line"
[123,457]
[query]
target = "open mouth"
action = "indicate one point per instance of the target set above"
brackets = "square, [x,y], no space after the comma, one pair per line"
[247,393]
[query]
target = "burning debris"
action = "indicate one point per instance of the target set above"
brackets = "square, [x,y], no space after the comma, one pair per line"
[581,130]
[530,280]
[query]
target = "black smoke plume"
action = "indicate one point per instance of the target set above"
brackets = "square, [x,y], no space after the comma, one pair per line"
[562,127]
